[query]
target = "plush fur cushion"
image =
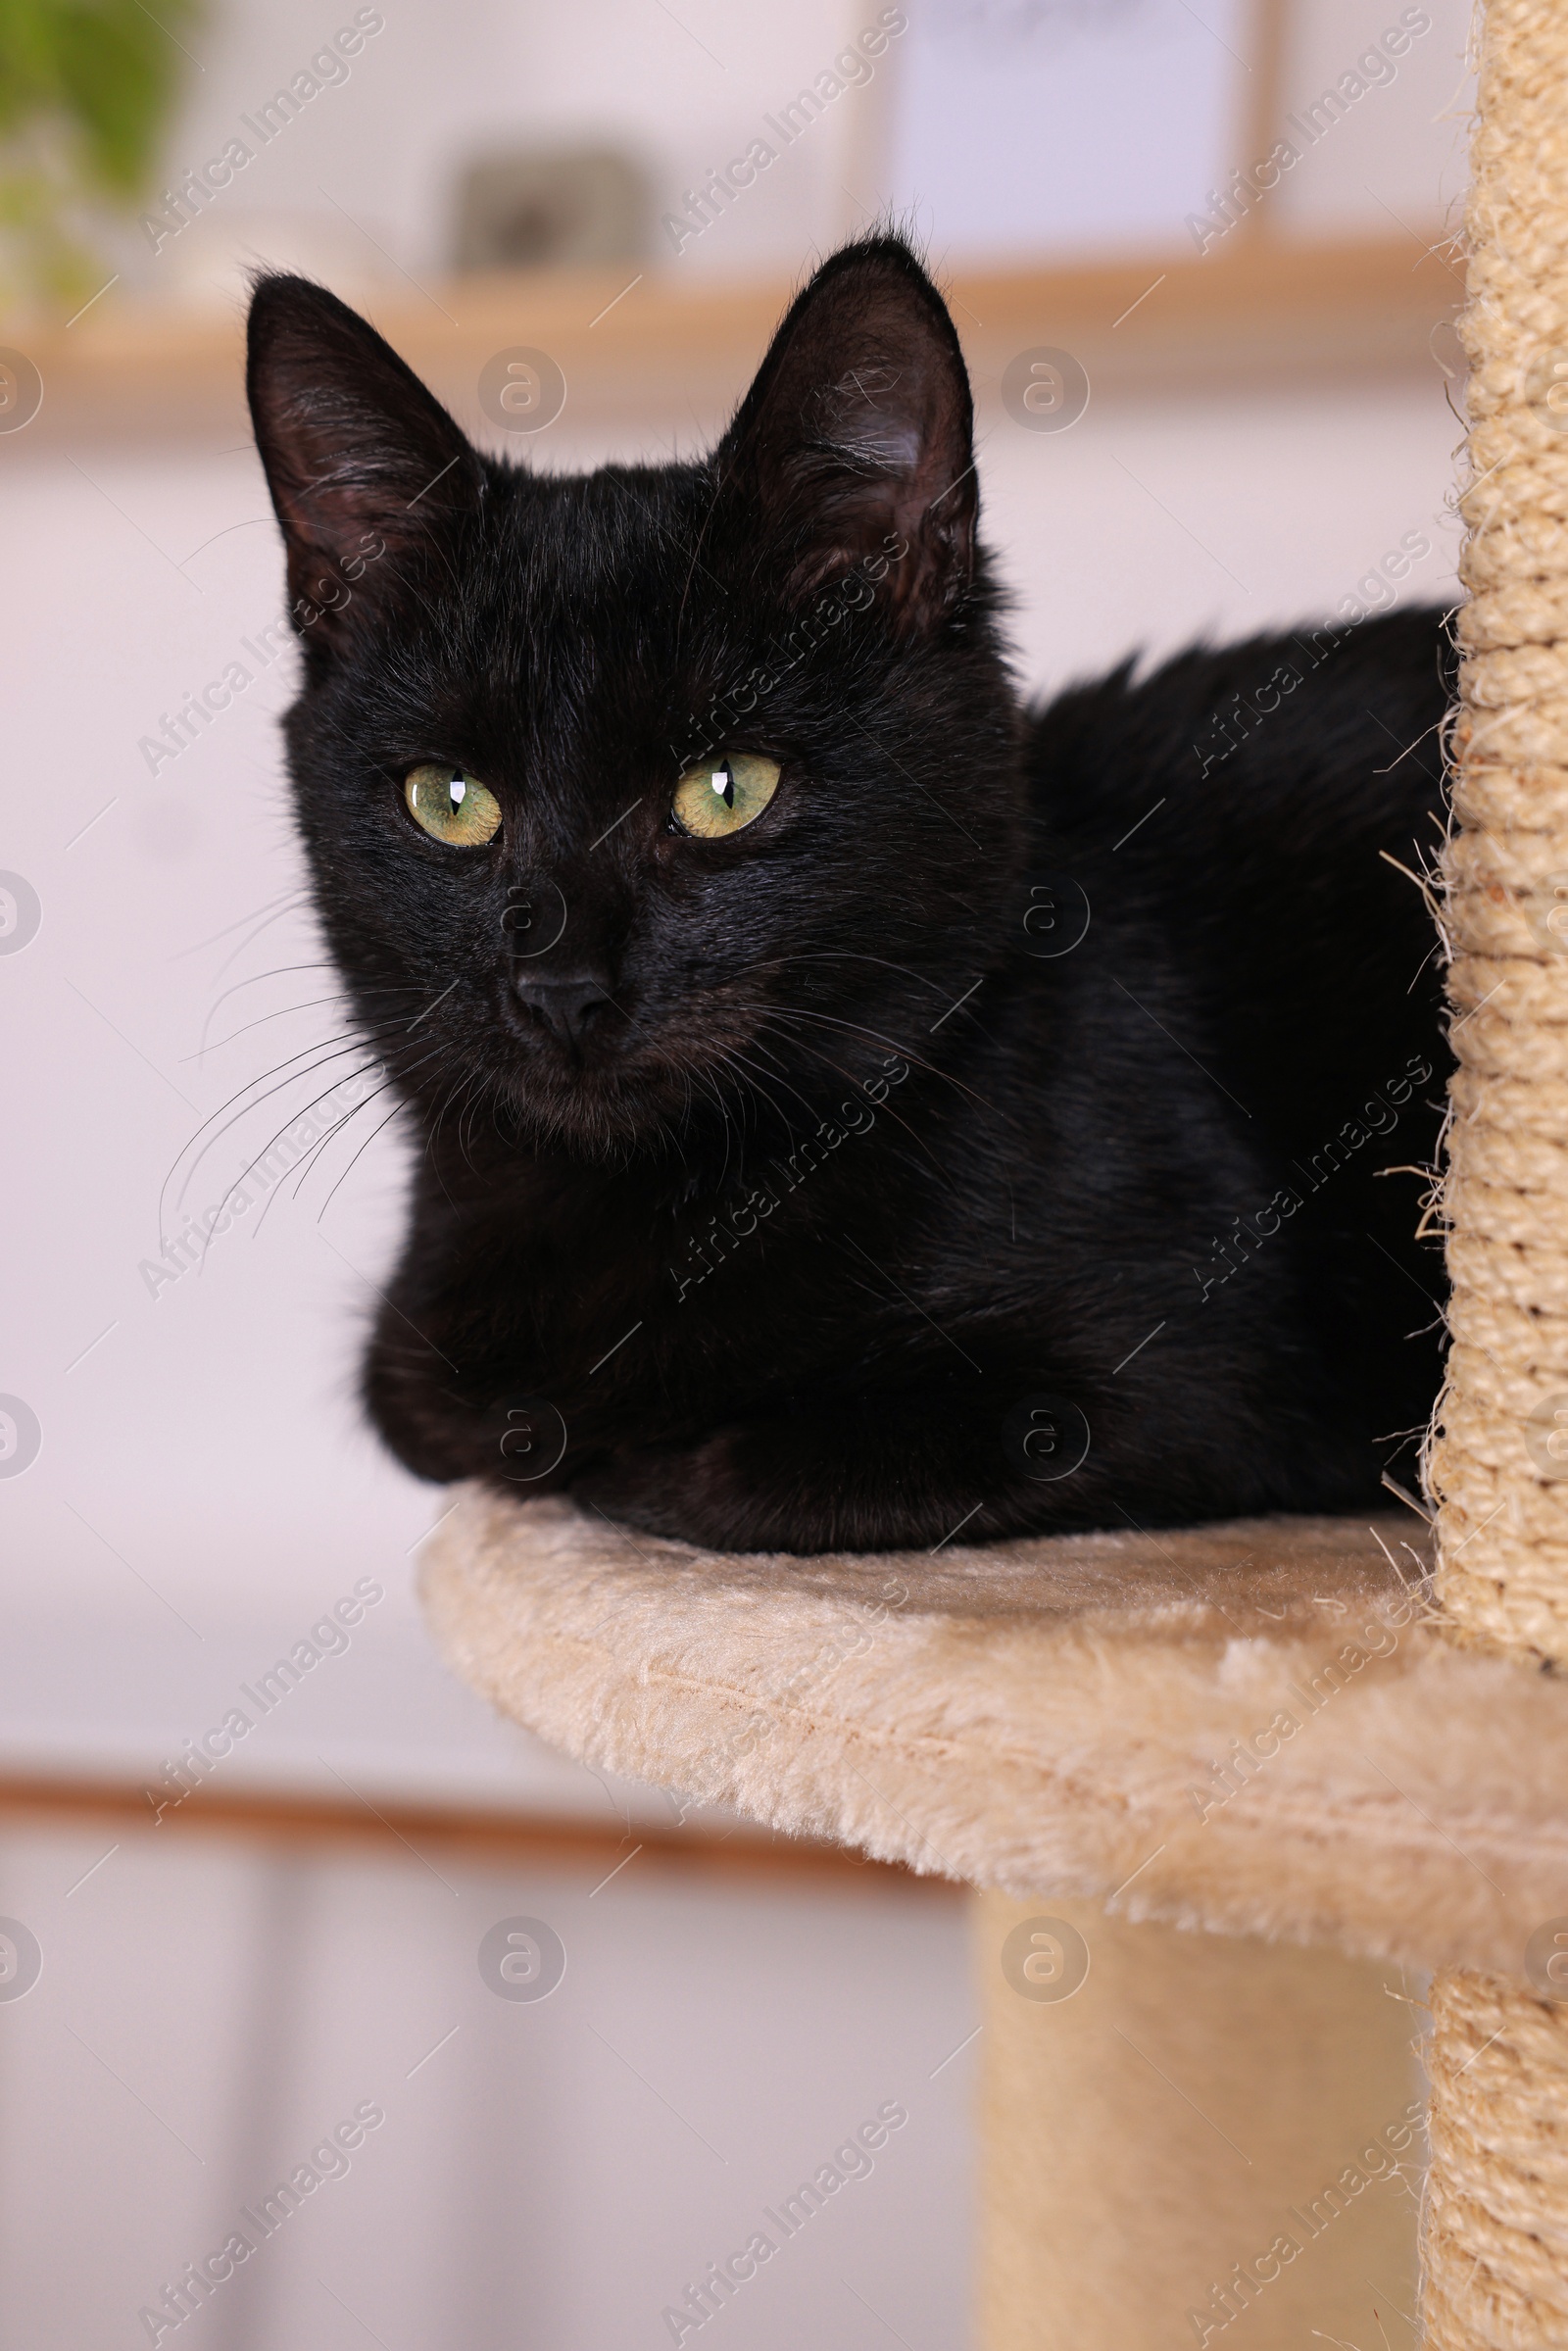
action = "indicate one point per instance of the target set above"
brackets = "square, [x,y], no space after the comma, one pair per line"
[1249,1727]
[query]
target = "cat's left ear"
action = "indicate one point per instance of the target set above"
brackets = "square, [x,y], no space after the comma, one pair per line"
[855,444]
[366,468]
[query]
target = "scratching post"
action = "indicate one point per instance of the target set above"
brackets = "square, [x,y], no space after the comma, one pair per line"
[1496,2235]
[1500,1463]
[1494,2239]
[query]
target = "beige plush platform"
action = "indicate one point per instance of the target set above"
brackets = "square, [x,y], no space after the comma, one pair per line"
[1249,1727]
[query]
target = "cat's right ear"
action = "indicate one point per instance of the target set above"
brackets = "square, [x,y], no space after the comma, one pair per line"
[365,469]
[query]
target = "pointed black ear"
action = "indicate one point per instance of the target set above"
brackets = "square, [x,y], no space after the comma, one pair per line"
[364,466]
[856,439]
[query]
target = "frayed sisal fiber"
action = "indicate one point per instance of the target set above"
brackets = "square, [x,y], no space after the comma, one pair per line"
[1494,2241]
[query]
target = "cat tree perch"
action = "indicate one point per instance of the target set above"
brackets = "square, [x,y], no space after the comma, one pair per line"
[1285,1731]
[1255,1727]
[1263,1729]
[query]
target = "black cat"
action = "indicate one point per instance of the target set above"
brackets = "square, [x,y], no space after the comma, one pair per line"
[852,1110]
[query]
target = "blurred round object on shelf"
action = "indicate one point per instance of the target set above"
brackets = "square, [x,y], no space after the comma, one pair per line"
[550,208]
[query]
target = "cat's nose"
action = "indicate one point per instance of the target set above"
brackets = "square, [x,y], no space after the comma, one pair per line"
[565,1001]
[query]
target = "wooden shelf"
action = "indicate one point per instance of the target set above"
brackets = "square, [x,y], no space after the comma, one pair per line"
[488,1835]
[1261,311]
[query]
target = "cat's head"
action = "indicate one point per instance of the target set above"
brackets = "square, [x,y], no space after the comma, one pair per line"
[645,799]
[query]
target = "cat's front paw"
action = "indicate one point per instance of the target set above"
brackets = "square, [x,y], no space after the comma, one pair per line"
[689,1493]
[763,1487]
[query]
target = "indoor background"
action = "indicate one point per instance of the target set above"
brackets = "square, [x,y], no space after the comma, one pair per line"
[1251,423]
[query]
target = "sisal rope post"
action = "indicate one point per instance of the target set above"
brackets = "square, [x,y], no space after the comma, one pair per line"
[1494,2229]
[1494,2239]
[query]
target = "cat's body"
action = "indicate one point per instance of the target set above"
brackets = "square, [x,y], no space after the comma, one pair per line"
[831,1183]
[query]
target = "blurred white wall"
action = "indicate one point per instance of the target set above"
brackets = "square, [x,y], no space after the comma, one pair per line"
[1397,156]
[549,2173]
[998,125]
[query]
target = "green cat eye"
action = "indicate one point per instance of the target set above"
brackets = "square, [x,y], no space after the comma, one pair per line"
[452,806]
[722,794]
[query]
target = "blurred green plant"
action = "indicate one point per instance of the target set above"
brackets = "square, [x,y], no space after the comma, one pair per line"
[86,90]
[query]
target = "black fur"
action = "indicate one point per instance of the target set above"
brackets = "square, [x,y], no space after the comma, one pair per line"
[840,1214]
